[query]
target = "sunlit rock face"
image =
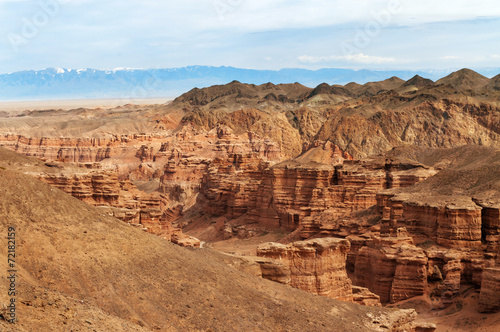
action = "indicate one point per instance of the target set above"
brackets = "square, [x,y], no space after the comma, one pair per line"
[316,266]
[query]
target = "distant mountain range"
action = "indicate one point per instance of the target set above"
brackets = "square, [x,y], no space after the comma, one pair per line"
[58,83]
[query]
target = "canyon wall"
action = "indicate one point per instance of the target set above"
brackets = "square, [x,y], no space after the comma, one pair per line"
[392,267]
[295,193]
[146,180]
[451,222]
[233,173]
[120,199]
[489,298]
[463,235]
[73,150]
[316,266]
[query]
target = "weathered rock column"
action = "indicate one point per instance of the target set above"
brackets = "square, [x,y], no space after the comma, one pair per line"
[316,266]
[392,267]
[489,298]
[452,271]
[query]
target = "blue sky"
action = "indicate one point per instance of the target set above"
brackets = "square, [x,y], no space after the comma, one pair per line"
[259,34]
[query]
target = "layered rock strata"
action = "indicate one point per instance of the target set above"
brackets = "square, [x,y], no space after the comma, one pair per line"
[122,200]
[169,168]
[73,150]
[316,266]
[469,226]
[232,172]
[295,192]
[392,267]
[214,162]
[230,184]
[490,224]
[451,284]
[489,298]
[452,223]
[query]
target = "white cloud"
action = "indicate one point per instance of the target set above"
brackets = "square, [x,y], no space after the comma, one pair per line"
[258,15]
[485,58]
[263,15]
[359,58]
[430,11]
[152,33]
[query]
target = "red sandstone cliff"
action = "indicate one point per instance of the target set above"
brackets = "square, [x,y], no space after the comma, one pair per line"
[316,266]
[489,299]
[392,267]
[294,193]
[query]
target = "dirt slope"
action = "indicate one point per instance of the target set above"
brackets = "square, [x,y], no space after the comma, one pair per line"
[467,170]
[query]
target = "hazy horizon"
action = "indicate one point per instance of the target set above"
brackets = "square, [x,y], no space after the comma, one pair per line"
[443,71]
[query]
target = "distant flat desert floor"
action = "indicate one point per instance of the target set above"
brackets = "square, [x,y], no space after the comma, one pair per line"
[77,103]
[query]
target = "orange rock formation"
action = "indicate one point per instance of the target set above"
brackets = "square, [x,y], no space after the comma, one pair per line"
[392,267]
[316,266]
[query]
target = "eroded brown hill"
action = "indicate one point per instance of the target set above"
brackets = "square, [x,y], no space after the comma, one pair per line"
[468,170]
[224,96]
[418,82]
[465,79]
[387,120]
[373,88]
[363,119]
[494,84]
